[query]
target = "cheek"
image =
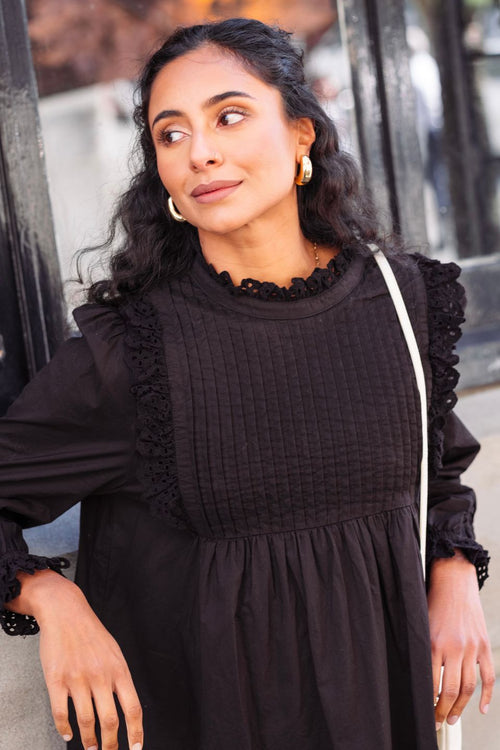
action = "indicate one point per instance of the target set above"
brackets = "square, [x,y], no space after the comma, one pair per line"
[277,153]
[167,172]
[161,168]
[276,167]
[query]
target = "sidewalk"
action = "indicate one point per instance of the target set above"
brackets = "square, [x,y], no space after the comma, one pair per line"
[25,720]
[481,413]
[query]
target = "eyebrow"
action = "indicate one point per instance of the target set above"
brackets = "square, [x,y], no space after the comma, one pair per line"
[216,99]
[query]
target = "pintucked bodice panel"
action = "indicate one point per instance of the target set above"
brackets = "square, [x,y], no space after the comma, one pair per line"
[279,425]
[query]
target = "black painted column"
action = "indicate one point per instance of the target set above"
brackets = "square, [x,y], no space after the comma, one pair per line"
[472,180]
[31,299]
[375,34]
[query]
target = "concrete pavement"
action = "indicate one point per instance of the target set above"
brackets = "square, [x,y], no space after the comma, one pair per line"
[480,411]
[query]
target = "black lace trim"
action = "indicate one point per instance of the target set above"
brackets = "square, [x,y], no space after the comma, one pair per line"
[442,543]
[320,280]
[145,358]
[446,301]
[11,564]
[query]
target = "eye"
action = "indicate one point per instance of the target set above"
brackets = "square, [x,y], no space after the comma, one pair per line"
[169,136]
[231,116]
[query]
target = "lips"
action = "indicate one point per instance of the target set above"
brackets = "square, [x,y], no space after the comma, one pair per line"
[212,187]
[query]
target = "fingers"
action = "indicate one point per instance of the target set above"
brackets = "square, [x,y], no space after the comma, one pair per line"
[132,711]
[59,706]
[467,687]
[437,666]
[85,717]
[105,707]
[450,690]
[108,717]
[487,673]
[459,683]
[102,697]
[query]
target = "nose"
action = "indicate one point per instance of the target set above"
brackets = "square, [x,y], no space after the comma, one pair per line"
[203,152]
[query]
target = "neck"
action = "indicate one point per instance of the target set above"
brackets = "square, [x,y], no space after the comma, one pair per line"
[276,255]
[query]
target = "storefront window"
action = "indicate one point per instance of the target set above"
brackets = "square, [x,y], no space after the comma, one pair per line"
[455,65]
[88,55]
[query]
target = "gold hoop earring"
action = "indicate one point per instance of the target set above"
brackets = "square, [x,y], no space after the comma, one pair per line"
[175,214]
[305,171]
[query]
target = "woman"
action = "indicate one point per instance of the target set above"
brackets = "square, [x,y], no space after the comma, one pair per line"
[240,421]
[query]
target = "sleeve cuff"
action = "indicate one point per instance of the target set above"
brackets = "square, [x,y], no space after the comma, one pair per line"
[443,542]
[10,565]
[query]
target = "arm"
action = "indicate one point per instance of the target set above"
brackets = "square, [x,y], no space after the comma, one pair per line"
[62,440]
[69,435]
[457,569]
[457,564]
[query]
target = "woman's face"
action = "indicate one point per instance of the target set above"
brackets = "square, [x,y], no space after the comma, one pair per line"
[225,150]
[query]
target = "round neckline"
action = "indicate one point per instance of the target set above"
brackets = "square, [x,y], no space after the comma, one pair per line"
[300,287]
[278,309]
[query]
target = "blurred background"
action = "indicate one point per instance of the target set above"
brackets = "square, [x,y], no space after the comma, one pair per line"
[414,88]
[86,57]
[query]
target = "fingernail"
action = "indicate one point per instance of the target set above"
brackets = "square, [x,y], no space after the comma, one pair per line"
[452,720]
[485,708]
[439,724]
[66,737]
[94,747]
[137,746]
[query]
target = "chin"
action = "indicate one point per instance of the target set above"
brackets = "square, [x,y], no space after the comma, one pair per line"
[221,226]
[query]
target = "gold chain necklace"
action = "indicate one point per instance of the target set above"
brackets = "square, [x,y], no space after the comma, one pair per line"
[316,254]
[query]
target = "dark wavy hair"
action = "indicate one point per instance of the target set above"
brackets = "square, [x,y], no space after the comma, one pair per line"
[333,208]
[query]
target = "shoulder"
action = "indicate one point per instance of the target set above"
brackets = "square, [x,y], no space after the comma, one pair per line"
[99,322]
[88,369]
[100,338]
[439,277]
[441,301]
[128,337]
[445,298]
[434,283]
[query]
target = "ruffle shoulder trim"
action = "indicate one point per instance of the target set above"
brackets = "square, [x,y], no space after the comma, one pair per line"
[445,312]
[145,358]
[11,564]
[300,288]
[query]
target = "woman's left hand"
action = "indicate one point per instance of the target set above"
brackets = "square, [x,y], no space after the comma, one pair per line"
[459,639]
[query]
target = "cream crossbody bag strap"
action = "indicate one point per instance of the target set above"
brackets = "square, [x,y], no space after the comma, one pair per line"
[449,737]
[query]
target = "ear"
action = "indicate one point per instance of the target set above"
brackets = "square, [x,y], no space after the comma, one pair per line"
[305,136]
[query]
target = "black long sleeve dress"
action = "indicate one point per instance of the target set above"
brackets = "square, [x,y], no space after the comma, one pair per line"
[247,461]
